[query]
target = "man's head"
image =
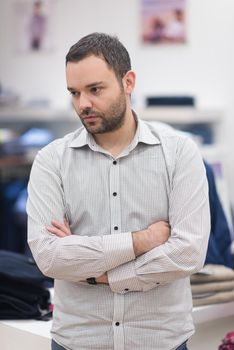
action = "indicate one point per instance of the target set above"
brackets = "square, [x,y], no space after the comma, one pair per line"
[100,80]
[104,46]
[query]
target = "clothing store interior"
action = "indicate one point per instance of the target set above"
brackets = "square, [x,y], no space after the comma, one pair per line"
[182,52]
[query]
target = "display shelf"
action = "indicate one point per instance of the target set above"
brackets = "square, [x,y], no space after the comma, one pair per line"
[36,114]
[214,152]
[23,333]
[172,115]
[60,122]
[178,117]
[181,115]
[213,312]
[38,328]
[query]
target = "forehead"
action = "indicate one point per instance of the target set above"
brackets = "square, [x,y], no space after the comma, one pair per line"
[88,70]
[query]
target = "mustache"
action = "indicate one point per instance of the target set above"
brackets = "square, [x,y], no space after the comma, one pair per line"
[88,112]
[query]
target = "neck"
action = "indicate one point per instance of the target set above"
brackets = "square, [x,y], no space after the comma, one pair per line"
[114,142]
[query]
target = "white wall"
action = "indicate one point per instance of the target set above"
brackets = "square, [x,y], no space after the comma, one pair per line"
[203,67]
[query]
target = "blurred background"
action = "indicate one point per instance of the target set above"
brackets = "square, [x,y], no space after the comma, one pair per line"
[187,83]
[182,52]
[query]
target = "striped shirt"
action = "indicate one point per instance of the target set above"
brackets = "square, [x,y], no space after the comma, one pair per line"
[147,304]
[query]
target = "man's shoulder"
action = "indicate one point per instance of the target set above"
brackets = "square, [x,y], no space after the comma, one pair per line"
[173,141]
[60,146]
[64,142]
[166,133]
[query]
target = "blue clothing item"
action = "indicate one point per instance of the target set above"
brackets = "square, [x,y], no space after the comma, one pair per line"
[12,235]
[183,346]
[55,346]
[220,238]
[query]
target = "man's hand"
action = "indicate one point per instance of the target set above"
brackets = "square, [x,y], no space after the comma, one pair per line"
[59,229]
[102,279]
[63,230]
[155,235]
[143,241]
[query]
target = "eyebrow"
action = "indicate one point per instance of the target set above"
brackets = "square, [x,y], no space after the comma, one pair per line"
[96,83]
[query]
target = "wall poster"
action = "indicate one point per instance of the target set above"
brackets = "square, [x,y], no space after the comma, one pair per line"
[33,25]
[163,21]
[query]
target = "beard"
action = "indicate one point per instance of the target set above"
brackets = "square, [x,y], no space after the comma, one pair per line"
[108,121]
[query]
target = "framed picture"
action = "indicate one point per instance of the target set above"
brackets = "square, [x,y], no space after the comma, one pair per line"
[163,21]
[33,25]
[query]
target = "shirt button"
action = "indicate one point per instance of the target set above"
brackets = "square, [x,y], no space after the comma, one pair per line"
[114,162]
[117,323]
[114,194]
[116,228]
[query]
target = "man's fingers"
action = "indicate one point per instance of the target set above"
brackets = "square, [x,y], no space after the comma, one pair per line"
[61,227]
[56,231]
[66,223]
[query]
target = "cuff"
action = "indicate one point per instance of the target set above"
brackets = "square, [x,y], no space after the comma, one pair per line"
[123,279]
[118,249]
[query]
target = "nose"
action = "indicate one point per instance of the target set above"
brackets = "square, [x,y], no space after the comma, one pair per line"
[84,102]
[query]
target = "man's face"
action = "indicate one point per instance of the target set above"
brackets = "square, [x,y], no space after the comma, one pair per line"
[97,95]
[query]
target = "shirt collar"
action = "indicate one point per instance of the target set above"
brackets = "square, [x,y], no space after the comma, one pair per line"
[143,135]
[80,140]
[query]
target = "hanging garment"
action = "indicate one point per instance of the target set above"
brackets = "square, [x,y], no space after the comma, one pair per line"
[220,238]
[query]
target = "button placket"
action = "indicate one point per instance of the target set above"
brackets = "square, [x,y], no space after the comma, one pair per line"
[118,318]
[115,209]
[115,219]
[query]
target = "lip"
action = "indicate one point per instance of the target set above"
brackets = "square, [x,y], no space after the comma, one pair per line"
[90,118]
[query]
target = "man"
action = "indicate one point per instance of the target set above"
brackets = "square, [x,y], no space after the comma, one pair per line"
[118,215]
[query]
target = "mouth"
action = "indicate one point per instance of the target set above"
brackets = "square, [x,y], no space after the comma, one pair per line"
[90,118]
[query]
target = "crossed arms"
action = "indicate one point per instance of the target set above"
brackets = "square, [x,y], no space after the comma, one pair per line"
[143,241]
[138,261]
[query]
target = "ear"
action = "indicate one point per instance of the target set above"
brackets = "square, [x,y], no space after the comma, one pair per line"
[129,82]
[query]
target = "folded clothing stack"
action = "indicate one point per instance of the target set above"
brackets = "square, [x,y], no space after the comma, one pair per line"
[23,294]
[212,285]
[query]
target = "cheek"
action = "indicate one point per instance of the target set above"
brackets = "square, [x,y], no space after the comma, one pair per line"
[101,103]
[75,104]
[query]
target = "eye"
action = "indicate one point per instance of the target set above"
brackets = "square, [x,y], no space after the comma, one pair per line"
[74,93]
[95,90]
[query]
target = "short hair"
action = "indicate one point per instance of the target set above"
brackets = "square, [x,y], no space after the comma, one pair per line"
[104,46]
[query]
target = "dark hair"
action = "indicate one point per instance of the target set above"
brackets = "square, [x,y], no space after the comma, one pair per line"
[104,46]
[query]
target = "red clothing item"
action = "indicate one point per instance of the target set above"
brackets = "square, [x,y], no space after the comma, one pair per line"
[228,342]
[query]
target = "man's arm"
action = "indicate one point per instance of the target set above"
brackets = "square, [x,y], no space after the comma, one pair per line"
[75,257]
[143,241]
[189,217]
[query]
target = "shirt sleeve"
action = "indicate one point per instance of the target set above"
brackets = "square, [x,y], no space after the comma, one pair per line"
[189,217]
[72,258]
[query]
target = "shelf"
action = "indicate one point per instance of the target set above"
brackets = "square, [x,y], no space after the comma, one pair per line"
[213,153]
[181,115]
[213,312]
[36,114]
[65,121]
[200,314]
[171,115]
[211,322]
[28,334]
